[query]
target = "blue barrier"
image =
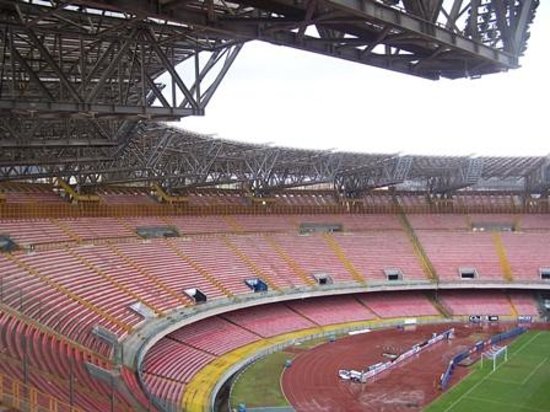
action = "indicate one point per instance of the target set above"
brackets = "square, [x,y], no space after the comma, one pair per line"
[478,347]
[507,335]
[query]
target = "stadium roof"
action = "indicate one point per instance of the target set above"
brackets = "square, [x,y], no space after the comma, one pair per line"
[182,160]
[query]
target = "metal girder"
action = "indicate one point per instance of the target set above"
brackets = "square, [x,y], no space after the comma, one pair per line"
[181,160]
[87,74]
[502,24]
[419,37]
[356,182]
[468,173]
[35,141]
[73,59]
[538,180]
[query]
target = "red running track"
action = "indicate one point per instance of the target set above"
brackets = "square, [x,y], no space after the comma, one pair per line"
[312,383]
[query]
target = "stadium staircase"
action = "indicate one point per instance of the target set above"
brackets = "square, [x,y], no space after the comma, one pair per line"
[295,266]
[114,282]
[15,396]
[517,222]
[419,251]
[65,230]
[503,257]
[303,315]
[202,271]
[543,296]
[74,195]
[165,197]
[438,305]
[241,326]
[47,331]
[364,303]
[147,275]
[294,221]
[233,224]
[513,308]
[70,295]
[37,354]
[341,254]
[250,263]
[124,223]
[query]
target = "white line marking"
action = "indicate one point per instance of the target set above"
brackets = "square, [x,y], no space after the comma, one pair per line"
[511,382]
[490,373]
[523,382]
[506,404]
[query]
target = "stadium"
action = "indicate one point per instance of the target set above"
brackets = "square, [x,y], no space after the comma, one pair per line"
[146,267]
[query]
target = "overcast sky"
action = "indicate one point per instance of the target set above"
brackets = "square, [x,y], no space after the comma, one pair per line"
[292,98]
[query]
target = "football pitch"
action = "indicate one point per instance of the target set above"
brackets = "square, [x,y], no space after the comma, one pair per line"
[522,384]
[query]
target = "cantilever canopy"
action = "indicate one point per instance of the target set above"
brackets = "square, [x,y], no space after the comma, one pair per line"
[182,160]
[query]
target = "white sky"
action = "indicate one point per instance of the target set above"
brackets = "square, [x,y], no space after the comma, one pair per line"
[292,98]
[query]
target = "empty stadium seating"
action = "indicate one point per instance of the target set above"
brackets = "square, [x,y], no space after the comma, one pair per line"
[32,232]
[38,194]
[73,277]
[438,222]
[305,199]
[217,260]
[85,229]
[314,255]
[125,196]
[271,320]
[449,251]
[52,305]
[206,198]
[399,304]
[476,302]
[158,260]
[265,257]
[90,270]
[51,364]
[205,224]
[524,303]
[169,365]
[214,335]
[373,252]
[527,253]
[326,311]
[126,273]
[265,223]
[534,222]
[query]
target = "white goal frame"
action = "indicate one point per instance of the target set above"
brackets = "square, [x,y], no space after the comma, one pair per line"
[494,353]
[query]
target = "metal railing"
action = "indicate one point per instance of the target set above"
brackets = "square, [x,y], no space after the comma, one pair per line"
[15,394]
[45,211]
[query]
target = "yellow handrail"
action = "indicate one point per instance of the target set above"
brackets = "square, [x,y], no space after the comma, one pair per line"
[46,330]
[71,295]
[343,258]
[113,281]
[75,195]
[295,266]
[153,279]
[15,394]
[250,263]
[166,197]
[202,271]
[503,257]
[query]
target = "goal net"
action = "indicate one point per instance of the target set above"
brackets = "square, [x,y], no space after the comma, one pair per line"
[494,355]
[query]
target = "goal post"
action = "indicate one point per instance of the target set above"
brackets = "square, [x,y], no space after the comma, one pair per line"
[494,354]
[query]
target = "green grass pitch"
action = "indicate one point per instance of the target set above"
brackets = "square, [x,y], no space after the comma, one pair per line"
[260,384]
[520,385]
